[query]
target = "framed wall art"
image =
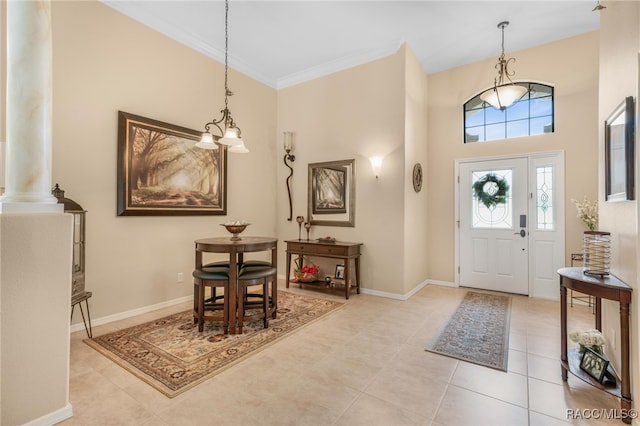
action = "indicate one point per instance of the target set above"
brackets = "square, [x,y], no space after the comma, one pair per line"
[162,173]
[619,152]
[331,193]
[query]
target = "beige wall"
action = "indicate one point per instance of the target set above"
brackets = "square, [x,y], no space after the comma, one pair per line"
[571,66]
[416,239]
[356,113]
[619,46]
[36,288]
[104,62]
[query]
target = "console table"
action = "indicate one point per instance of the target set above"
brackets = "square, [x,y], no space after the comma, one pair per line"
[336,250]
[611,288]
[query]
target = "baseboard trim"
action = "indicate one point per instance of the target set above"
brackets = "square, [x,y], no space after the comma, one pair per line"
[443,283]
[54,417]
[394,296]
[132,313]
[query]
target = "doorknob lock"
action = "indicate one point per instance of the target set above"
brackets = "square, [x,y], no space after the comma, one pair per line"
[522,233]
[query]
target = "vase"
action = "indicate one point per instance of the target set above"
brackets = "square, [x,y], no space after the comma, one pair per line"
[596,250]
[597,349]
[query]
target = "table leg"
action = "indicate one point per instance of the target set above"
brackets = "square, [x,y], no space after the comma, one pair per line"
[233,287]
[197,265]
[598,314]
[563,330]
[287,271]
[625,402]
[357,262]
[347,286]
[274,285]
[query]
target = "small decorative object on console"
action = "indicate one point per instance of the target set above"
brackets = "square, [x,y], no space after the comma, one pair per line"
[592,339]
[594,364]
[327,239]
[307,273]
[236,228]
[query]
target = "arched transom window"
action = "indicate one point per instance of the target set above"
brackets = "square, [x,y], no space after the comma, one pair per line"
[531,115]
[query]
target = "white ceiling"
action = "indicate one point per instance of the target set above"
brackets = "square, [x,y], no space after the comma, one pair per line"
[282,43]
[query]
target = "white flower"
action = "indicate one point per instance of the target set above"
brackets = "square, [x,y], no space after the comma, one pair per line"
[587,212]
[589,338]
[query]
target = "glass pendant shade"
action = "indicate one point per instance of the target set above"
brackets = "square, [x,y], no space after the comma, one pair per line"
[239,149]
[207,142]
[230,137]
[231,134]
[502,97]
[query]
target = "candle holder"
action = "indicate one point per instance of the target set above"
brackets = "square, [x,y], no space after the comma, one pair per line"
[307,226]
[299,219]
[288,156]
[596,248]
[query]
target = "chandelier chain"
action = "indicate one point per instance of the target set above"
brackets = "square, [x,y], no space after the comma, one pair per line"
[226,53]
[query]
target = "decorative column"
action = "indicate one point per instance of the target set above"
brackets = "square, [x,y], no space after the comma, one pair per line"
[29,147]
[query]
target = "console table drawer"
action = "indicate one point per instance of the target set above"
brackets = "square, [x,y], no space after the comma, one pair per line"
[308,249]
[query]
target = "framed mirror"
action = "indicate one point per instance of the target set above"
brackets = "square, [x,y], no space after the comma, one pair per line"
[331,194]
[619,152]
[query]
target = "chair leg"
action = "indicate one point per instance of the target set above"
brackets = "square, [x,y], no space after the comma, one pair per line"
[195,303]
[200,308]
[274,297]
[265,303]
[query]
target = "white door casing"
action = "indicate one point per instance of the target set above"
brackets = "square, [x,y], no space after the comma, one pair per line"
[491,253]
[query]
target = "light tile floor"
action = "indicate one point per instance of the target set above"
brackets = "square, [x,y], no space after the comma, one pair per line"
[362,365]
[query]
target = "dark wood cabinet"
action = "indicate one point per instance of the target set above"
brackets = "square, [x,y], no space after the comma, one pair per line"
[335,250]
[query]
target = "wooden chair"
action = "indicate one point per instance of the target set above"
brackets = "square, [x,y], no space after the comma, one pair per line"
[213,277]
[267,300]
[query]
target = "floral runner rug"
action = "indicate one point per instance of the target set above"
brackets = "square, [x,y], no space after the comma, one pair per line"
[172,356]
[478,331]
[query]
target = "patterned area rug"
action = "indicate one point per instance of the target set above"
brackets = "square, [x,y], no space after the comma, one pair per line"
[172,356]
[478,331]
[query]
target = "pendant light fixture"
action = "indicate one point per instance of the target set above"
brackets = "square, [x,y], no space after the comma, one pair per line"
[231,135]
[504,91]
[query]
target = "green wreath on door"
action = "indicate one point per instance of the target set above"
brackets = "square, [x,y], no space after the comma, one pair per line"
[491,190]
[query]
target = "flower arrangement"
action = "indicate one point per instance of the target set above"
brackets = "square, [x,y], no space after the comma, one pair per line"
[587,212]
[307,273]
[591,338]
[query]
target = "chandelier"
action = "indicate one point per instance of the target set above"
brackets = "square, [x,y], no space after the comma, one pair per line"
[504,91]
[231,135]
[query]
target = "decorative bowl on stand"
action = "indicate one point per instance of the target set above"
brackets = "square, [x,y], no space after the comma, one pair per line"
[235,228]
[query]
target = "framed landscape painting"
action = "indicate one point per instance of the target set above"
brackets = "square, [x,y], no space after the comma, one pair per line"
[161,172]
[331,193]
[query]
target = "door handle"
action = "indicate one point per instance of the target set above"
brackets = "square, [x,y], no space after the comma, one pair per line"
[522,233]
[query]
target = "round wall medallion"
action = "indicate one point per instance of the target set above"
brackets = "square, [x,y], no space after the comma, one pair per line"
[417,177]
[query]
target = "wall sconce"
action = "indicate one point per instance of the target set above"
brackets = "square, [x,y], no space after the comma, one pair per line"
[289,142]
[376,165]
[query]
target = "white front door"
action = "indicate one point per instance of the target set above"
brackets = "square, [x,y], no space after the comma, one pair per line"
[511,240]
[494,225]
